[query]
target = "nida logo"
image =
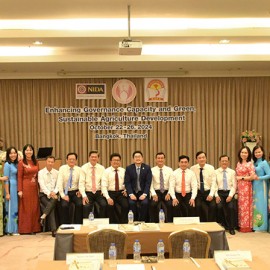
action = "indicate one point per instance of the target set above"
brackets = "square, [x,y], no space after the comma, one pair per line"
[90,89]
[81,89]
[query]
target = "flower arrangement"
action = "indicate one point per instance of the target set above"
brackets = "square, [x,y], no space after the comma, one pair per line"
[250,136]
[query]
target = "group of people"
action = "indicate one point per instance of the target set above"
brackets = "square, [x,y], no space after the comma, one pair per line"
[185,192]
[21,192]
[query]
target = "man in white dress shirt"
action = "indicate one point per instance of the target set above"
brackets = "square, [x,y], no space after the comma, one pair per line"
[206,180]
[183,189]
[113,189]
[226,182]
[159,189]
[47,178]
[68,186]
[90,186]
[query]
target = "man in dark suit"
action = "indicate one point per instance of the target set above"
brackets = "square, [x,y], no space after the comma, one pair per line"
[138,177]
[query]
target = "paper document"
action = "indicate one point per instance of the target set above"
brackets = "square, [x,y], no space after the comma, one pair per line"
[130,266]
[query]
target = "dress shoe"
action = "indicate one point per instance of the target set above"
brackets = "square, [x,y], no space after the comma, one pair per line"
[232,232]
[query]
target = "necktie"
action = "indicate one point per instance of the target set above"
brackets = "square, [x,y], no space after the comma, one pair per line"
[138,187]
[161,180]
[225,184]
[94,188]
[183,184]
[116,181]
[69,182]
[70,178]
[201,180]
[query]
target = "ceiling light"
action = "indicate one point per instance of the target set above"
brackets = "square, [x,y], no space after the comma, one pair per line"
[207,49]
[224,41]
[25,51]
[156,24]
[37,42]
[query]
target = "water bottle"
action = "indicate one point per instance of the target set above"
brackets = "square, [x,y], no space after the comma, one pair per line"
[112,255]
[130,217]
[91,219]
[137,251]
[160,251]
[186,249]
[161,216]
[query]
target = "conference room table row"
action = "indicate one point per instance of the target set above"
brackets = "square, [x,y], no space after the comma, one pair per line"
[186,264]
[69,241]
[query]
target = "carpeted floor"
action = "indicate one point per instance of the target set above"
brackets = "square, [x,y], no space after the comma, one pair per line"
[23,252]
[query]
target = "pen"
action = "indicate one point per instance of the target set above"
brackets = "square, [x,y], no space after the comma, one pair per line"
[75,262]
[67,228]
[193,260]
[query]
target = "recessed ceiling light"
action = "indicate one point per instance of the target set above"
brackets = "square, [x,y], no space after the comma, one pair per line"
[224,41]
[37,42]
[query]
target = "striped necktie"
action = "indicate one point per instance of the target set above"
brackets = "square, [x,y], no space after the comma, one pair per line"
[225,183]
[161,179]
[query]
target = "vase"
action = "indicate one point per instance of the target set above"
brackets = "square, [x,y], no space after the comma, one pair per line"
[250,145]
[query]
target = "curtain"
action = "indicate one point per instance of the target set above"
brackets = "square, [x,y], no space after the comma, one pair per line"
[224,108]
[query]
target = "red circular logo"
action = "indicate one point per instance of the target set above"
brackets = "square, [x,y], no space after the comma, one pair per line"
[124,91]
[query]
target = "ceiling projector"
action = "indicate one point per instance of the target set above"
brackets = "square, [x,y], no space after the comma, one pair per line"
[130,47]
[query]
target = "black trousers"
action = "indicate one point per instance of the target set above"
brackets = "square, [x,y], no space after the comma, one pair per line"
[226,211]
[139,208]
[100,200]
[183,209]
[64,215]
[48,208]
[207,211]
[155,207]
[120,201]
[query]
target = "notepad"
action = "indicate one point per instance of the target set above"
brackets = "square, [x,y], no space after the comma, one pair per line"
[94,265]
[126,227]
[232,259]
[149,227]
[235,265]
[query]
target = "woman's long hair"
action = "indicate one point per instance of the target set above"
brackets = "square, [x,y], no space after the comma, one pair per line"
[33,156]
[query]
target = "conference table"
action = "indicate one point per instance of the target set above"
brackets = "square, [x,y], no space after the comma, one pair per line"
[69,241]
[186,264]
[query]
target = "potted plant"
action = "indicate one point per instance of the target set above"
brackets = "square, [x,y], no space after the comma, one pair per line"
[250,138]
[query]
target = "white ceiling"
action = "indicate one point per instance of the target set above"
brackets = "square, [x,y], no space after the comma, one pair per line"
[92,53]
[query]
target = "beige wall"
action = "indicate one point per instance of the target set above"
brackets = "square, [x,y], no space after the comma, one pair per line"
[225,107]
